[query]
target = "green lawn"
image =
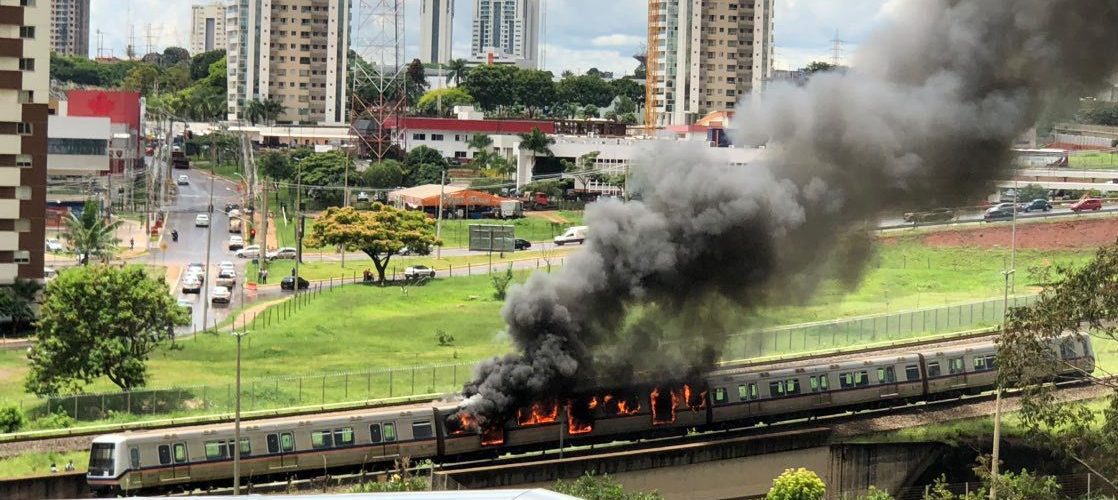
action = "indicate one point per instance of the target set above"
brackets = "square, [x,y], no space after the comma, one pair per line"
[1093,160]
[312,269]
[227,170]
[38,463]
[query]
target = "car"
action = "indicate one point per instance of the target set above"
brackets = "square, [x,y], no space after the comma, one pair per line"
[227,264]
[187,306]
[362,196]
[418,271]
[202,220]
[183,180]
[231,206]
[1086,204]
[235,213]
[236,243]
[576,234]
[195,266]
[220,295]
[936,215]
[1001,206]
[1037,204]
[521,244]
[994,214]
[282,253]
[249,252]
[191,283]
[54,245]
[226,278]
[288,283]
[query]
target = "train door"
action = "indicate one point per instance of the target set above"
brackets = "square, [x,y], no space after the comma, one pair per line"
[887,382]
[181,461]
[281,449]
[957,368]
[820,388]
[135,475]
[391,446]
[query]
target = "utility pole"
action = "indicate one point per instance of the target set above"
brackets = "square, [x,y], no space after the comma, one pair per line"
[298,224]
[237,422]
[996,452]
[264,228]
[439,220]
[209,232]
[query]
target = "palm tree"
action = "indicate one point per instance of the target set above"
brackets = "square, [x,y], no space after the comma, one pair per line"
[537,143]
[16,302]
[456,70]
[254,111]
[91,236]
[272,109]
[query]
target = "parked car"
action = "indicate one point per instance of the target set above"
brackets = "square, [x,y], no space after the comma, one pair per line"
[54,245]
[183,180]
[1001,206]
[249,252]
[202,220]
[288,283]
[937,215]
[187,306]
[362,196]
[282,253]
[220,295]
[236,243]
[419,271]
[521,244]
[1086,204]
[195,266]
[575,234]
[225,264]
[994,214]
[192,283]
[1037,204]
[226,278]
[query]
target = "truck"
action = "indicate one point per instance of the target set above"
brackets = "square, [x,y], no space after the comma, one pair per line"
[511,209]
[575,234]
[179,159]
[535,201]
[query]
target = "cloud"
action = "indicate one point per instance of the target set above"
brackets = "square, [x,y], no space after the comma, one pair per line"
[616,40]
[558,58]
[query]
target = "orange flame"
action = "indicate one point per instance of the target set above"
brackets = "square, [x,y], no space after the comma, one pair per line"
[657,417]
[538,413]
[493,437]
[576,427]
[466,423]
[694,401]
[593,403]
[628,407]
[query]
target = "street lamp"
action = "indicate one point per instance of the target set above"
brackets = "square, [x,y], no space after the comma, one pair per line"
[237,420]
[1009,275]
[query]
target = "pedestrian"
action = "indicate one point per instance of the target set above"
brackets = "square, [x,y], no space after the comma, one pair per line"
[293,272]
[264,276]
[53,468]
[70,466]
[131,243]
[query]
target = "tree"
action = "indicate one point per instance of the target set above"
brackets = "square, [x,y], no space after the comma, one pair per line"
[380,232]
[90,235]
[271,109]
[537,143]
[200,63]
[175,78]
[275,165]
[603,487]
[564,110]
[628,118]
[624,104]
[589,111]
[584,169]
[81,340]
[141,79]
[427,173]
[441,102]
[491,86]
[384,174]
[1031,192]
[254,111]
[416,81]
[1099,113]
[16,303]
[797,484]
[480,142]
[456,70]
[423,155]
[629,89]
[535,89]
[325,170]
[172,56]
[585,89]
[818,67]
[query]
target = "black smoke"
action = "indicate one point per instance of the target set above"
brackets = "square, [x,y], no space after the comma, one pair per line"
[926,117]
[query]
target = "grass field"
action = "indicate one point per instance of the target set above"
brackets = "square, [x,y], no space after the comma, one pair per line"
[35,464]
[1093,160]
[227,170]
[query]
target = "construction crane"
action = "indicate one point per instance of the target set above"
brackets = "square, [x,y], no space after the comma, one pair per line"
[651,66]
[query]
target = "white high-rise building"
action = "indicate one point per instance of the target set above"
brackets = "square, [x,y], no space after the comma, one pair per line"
[207,28]
[294,52]
[707,55]
[436,31]
[507,29]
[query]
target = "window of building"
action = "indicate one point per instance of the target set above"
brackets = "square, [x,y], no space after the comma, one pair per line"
[419,137]
[27,32]
[26,96]
[23,192]
[23,161]
[86,147]
[23,128]
[26,64]
[436,137]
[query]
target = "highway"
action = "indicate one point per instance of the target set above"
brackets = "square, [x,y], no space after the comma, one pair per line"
[895,222]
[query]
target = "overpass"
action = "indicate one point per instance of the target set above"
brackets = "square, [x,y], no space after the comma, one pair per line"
[1061,178]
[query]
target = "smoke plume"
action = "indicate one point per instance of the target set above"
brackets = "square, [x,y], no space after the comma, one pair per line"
[925,118]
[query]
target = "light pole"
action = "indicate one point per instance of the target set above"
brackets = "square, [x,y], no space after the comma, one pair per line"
[1008,273]
[237,421]
[209,231]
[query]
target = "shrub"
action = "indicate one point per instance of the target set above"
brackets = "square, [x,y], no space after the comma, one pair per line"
[12,418]
[797,484]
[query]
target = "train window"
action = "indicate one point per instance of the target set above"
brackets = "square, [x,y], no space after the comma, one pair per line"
[743,393]
[321,439]
[164,454]
[792,387]
[390,432]
[273,443]
[343,436]
[984,363]
[776,389]
[374,433]
[753,391]
[287,442]
[861,379]
[421,430]
[956,365]
[134,454]
[819,384]
[180,453]
[246,448]
[719,394]
[912,372]
[215,450]
[1067,350]
[846,380]
[933,369]
[886,375]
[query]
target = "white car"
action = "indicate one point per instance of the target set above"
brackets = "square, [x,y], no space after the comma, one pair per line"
[183,180]
[249,252]
[236,243]
[191,283]
[220,295]
[202,220]
[362,196]
[225,264]
[416,272]
[283,253]
[234,213]
[54,245]
[226,278]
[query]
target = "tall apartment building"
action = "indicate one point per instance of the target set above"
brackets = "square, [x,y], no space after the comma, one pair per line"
[69,27]
[294,52]
[707,54]
[508,28]
[24,84]
[207,28]
[436,31]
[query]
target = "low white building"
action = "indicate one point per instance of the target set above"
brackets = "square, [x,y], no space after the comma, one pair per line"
[78,146]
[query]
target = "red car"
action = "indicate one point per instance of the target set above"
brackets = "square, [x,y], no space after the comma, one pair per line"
[1086,204]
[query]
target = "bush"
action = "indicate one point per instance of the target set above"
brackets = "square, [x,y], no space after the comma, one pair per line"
[797,484]
[592,487]
[53,421]
[876,494]
[12,418]
[501,283]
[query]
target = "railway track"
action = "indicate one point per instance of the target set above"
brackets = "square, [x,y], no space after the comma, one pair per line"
[79,438]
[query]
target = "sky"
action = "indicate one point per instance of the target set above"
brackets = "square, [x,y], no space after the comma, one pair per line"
[577,34]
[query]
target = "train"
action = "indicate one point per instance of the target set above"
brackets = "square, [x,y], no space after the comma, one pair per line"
[279,448]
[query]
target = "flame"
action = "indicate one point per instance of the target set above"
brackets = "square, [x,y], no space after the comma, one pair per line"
[493,437]
[466,423]
[654,397]
[628,407]
[593,403]
[538,413]
[575,426]
[694,401]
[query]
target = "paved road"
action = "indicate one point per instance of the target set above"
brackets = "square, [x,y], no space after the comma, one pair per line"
[977,216]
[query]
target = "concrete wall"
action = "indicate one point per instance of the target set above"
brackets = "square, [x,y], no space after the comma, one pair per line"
[68,485]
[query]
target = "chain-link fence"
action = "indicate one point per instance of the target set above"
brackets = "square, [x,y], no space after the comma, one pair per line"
[1083,485]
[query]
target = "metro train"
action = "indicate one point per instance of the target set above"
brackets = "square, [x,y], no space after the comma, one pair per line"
[279,448]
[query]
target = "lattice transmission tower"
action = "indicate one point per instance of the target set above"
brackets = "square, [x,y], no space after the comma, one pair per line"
[378,77]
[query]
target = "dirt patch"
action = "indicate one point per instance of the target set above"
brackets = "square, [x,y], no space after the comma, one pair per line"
[1066,235]
[548,215]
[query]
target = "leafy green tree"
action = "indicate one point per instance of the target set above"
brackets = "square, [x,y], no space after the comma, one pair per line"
[90,235]
[275,165]
[456,70]
[200,63]
[12,418]
[81,340]
[1099,113]
[427,173]
[588,111]
[595,487]
[818,67]
[141,79]
[172,56]
[419,156]
[1032,192]
[584,169]
[537,143]
[535,90]
[797,484]
[480,142]
[175,78]
[16,303]
[254,111]
[630,90]
[624,104]
[271,109]
[416,81]
[380,232]
[325,170]
[565,110]
[628,118]
[384,175]
[585,89]
[491,86]
[441,102]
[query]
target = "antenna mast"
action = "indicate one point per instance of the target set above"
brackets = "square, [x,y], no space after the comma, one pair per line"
[378,80]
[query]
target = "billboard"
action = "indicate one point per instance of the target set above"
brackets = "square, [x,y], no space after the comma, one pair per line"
[120,107]
[492,238]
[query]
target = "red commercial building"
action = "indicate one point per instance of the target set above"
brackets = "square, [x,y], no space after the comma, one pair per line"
[122,108]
